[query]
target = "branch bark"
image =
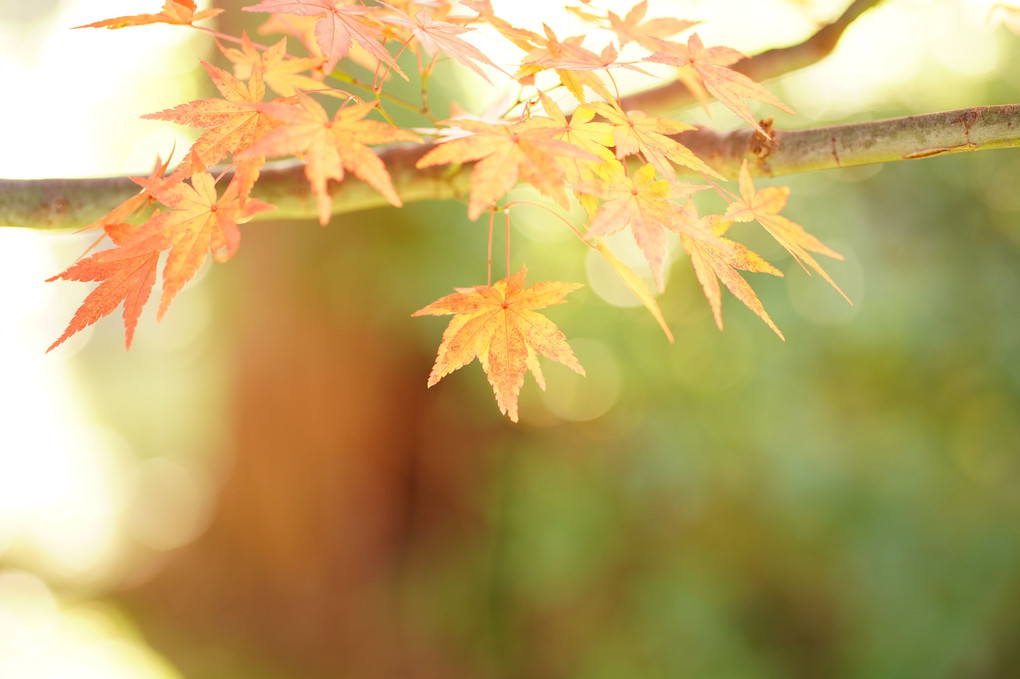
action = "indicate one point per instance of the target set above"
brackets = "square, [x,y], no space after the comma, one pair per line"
[74,203]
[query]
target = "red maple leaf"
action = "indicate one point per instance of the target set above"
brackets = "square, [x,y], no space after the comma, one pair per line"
[174,12]
[497,325]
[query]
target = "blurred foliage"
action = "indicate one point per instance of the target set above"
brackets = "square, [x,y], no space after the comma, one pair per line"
[842,504]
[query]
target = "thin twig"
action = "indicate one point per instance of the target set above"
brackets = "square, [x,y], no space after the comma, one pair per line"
[760,67]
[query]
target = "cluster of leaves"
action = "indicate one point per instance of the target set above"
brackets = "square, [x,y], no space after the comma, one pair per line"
[620,165]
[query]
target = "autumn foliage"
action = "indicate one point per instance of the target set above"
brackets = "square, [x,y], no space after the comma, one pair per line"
[567,134]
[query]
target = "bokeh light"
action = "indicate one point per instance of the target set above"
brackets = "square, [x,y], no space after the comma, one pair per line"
[263,487]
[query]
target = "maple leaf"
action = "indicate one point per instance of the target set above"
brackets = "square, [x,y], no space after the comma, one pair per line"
[125,277]
[593,137]
[725,84]
[507,152]
[329,146]
[198,224]
[644,204]
[279,72]
[630,28]
[301,28]
[442,36]
[586,134]
[764,206]
[713,263]
[498,325]
[635,132]
[636,285]
[118,216]
[551,50]
[521,37]
[339,24]
[174,12]
[234,122]
[570,60]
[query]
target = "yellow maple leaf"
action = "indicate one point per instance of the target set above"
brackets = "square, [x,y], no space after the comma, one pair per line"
[497,324]
[764,205]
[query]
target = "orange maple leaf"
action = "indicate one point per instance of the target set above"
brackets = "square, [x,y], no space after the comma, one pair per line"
[636,285]
[583,132]
[636,132]
[764,205]
[442,36]
[234,122]
[725,84]
[301,28]
[174,12]
[125,277]
[643,203]
[198,225]
[713,263]
[118,216]
[630,28]
[522,37]
[329,146]
[551,49]
[497,325]
[570,60]
[580,130]
[507,152]
[339,24]
[281,73]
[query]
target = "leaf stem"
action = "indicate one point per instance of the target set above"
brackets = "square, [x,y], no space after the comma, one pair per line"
[492,217]
[554,213]
[229,38]
[381,94]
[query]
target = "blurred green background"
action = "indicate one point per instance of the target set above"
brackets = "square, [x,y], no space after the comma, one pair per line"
[263,487]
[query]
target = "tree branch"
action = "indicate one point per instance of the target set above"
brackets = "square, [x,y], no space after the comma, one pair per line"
[764,66]
[74,203]
[878,141]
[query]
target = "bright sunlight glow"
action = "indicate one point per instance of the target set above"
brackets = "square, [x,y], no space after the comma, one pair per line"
[73,101]
[74,98]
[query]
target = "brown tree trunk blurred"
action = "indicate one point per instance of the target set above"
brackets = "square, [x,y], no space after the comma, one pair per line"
[347,482]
